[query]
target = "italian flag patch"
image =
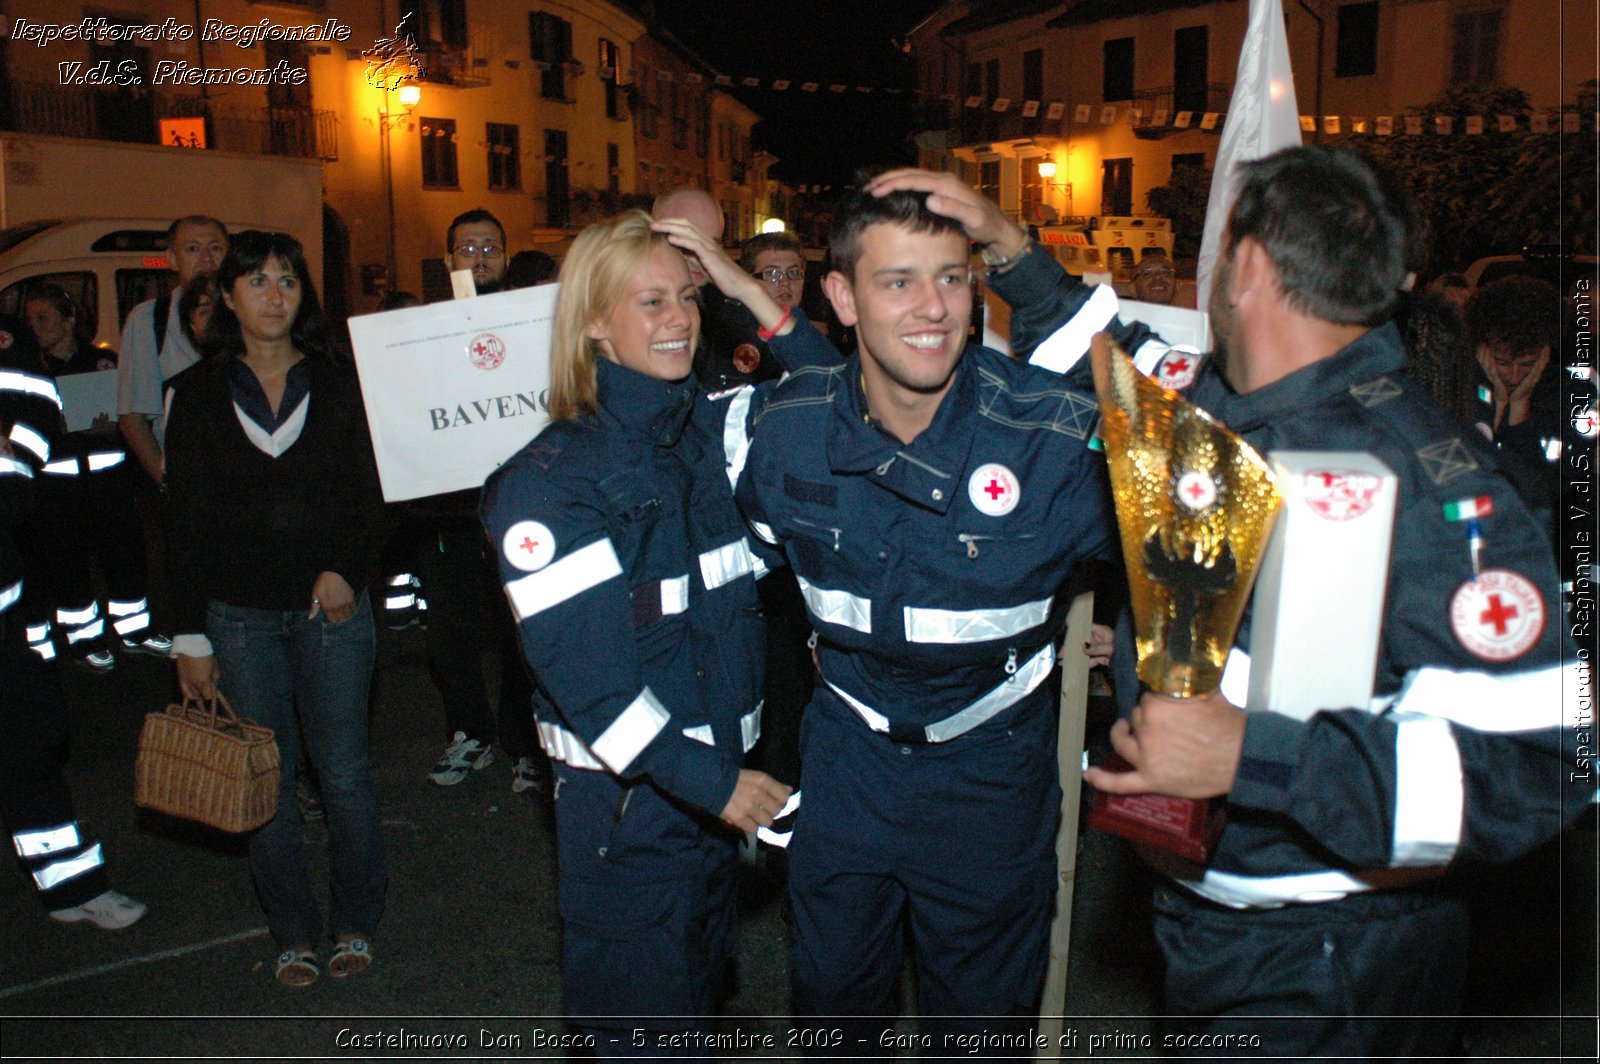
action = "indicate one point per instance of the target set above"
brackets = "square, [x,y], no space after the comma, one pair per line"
[1461,509]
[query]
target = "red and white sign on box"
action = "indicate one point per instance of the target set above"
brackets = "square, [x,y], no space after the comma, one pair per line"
[1318,603]
[454,389]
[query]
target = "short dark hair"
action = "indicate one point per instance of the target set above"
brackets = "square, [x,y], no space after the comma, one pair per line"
[909,210]
[1521,314]
[247,252]
[751,249]
[193,219]
[189,297]
[472,217]
[528,268]
[56,296]
[1334,228]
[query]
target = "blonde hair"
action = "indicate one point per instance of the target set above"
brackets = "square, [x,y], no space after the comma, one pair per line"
[593,277]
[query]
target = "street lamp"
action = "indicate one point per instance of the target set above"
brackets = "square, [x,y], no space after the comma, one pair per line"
[1047,170]
[410,96]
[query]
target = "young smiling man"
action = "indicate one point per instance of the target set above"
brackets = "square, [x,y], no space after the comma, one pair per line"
[932,499]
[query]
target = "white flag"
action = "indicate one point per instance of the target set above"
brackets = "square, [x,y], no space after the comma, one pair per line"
[1262,118]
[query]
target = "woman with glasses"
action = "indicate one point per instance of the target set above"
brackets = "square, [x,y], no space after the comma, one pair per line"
[277,521]
[617,536]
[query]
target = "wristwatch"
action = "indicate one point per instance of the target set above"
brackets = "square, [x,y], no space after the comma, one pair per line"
[1000,263]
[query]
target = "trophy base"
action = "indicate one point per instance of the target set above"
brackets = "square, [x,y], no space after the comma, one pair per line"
[1186,827]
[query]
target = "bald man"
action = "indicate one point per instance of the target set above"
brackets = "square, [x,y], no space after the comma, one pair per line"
[701,210]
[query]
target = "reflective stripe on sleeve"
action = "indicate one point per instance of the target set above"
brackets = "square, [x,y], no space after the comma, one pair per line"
[13,380]
[1495,703]
[47,840]
[765,531]
[105,460]
[735,436]
[584,568]
[750,727]
[674,595]
[57,873]
[925,625]
[727,563]
[837,607]
[10,595]
[62,467]
[701,733]
[1062,349]
[1430,798]
[15,467]
[631,732]
[37,445]
[563,746]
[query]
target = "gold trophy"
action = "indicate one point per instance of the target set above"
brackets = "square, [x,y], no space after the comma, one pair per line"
[1195,505]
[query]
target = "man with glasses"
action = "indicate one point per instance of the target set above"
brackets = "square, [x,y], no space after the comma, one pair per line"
[465,609]
[476,241]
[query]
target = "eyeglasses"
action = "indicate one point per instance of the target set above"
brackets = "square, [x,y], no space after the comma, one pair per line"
[472,251]
[1155,271]
[772,274]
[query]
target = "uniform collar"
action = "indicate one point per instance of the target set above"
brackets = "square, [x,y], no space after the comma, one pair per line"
[928,470]
[653,409]
[1376,353]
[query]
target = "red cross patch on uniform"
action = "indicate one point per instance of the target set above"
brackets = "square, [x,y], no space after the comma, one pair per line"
[1178,368]
[746,358]
[529,545]
[1498,616]
[994,490]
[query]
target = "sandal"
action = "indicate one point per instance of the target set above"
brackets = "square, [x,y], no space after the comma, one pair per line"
[350,955]
[297,967]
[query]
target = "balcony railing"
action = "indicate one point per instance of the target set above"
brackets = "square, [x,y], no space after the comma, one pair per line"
[1212,96]
[134,116]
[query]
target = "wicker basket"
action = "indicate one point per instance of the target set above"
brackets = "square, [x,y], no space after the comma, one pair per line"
[201,765]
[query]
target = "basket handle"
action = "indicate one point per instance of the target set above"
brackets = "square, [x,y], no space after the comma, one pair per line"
[210,707]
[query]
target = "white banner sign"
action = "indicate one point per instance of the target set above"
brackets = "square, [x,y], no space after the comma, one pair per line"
[85,396]
[454,389]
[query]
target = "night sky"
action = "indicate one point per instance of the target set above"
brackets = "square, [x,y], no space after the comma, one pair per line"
[821,137]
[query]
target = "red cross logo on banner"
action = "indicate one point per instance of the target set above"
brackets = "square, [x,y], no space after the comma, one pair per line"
[529,545]
[1584,423]
[993,489]
[1498,616]
[486,350]
[1340,494]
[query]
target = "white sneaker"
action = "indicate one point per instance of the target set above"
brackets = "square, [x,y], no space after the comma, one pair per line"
[463,755]
[525,776]
[108,911]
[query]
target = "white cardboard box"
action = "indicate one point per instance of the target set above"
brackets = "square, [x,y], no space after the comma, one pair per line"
[1318,607]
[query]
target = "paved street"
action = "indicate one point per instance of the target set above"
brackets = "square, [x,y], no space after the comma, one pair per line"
[469,947]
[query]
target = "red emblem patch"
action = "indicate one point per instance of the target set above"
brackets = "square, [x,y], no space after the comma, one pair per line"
[1340,494]
[487,351]
[746,358]
[6,339]
[1498,616]
[1178,368]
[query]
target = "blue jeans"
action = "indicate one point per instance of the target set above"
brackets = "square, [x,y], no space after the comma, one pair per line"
[272,664]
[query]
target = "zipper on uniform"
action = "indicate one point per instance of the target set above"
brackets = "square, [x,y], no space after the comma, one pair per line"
[837,532]
[972,539]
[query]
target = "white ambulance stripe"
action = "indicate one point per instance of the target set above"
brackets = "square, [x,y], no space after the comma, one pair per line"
[927,625]
[735,437]
[10,595]
[727,563]
[631,732]
[584,568]
[701,733]
[837,607]
[765,531]
[562,745]
[54,875]
[1063,348]
[12,380]
[674,595]
[37,445]
[750,727]
[62,467]
[47,840]
[274,443]
[124,625]
[10,466]
[105,460]
[1430,796]
[1496,704]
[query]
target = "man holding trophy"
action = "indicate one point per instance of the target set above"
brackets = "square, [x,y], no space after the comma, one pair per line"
[1317,922]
